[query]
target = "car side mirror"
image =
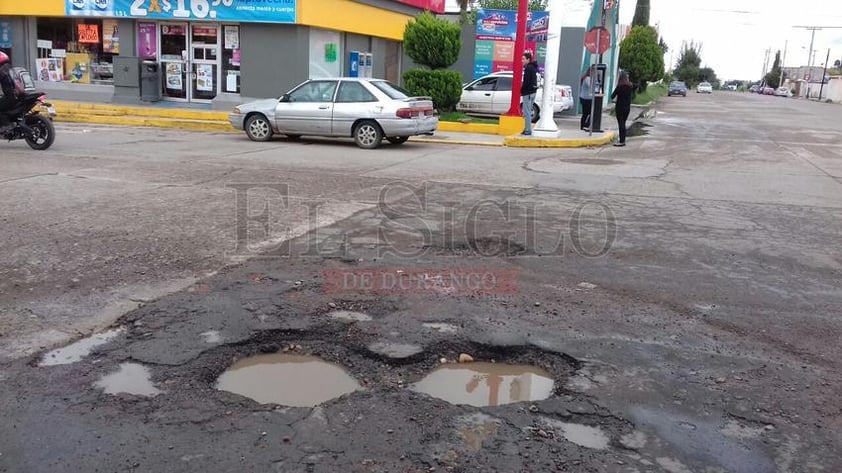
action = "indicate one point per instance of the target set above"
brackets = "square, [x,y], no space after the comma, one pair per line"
[470,87]
[285,98]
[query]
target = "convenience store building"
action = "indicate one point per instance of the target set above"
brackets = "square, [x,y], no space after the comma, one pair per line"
[209,51]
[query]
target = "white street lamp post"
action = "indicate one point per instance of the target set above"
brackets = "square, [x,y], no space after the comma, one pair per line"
[546,126]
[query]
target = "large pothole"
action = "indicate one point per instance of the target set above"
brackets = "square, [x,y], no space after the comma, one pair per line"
[487,384]
[289,380]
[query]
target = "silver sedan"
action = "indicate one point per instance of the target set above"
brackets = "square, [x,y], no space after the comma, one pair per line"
[368,110]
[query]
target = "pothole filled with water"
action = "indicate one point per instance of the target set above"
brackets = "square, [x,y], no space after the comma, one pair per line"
[131,378]
[486,384]
[288,380]
[79,349]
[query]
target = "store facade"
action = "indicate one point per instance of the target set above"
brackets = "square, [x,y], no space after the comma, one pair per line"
[206,51]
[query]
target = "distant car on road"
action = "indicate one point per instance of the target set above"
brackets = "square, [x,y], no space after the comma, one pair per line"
[783,92]
[677,87]
[755,89]
[768,91]
[704,88]
[368,110]
[732,87]
[492,95]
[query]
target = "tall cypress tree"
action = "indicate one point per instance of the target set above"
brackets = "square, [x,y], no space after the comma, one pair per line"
[641,13]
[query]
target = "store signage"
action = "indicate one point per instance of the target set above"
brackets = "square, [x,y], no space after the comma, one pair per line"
[263,11]
[88,33]
[496,34]
[435,6]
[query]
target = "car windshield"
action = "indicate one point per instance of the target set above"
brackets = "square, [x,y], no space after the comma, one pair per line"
[705,84]
[392,90]
[677,84]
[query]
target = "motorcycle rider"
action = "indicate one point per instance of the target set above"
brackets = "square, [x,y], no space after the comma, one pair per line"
[7,84]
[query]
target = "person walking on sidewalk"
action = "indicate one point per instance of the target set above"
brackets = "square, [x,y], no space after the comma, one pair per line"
[528,89]
[586,99]
[623,95]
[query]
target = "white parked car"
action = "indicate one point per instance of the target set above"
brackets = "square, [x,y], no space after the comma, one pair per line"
[783,92]
[704,88]
[492,95]
[368,110]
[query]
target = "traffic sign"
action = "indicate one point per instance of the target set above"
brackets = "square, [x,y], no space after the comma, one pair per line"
[591,40]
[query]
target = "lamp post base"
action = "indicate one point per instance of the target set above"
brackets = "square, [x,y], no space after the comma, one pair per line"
[546,133]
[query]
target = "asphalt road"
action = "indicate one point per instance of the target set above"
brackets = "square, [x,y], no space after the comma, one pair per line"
[683,292]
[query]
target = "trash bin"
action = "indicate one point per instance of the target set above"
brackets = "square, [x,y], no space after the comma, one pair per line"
[150,81]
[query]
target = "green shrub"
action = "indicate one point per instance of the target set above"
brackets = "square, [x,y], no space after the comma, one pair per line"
[432,42]
[445,87]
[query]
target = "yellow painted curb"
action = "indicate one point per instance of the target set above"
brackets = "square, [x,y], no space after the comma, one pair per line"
[160,112]
[517,141]
[480,128]
[181,124]
[510,125]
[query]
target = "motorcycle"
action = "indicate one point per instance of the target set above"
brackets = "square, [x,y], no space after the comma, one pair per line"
[26,121]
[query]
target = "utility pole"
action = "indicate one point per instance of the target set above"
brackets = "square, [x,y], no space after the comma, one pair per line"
[821,90]
[783,64]
[810,57]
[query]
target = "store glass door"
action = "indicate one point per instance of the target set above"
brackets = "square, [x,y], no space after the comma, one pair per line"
[204,62]
[174,61]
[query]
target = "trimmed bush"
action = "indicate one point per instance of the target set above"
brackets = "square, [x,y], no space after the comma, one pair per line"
[445,87]
[432,42]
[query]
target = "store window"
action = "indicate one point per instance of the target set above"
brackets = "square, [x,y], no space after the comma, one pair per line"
[77,50]
[173,60]
[231,59]
[325,54]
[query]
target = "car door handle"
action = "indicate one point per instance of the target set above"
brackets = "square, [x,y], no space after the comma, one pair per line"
[324,107]
[488,94]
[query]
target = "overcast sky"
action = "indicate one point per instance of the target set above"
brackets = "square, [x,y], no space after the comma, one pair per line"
[736,33]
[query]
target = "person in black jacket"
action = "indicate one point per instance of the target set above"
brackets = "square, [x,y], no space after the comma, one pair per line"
[623,94]
[528,89]
[7,83]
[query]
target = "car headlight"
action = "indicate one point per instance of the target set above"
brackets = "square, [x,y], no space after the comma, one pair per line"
[236,111]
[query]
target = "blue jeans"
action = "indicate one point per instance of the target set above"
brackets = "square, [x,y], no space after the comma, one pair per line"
[526,107]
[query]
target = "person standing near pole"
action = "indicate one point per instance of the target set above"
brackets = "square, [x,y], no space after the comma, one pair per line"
[528,90]
[586,99]
[623,95]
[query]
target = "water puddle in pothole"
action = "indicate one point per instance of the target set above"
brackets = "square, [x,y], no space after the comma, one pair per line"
[288,380]
[131,378]
[582,435]
[79,349]
[486,384]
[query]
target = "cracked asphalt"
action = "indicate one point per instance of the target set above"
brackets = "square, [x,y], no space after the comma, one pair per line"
[683,292]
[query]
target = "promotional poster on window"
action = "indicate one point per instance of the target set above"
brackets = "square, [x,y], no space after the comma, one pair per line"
[496,34]
[263,11]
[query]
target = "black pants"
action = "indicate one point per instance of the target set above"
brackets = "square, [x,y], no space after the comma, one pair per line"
[622,116]
[586,113]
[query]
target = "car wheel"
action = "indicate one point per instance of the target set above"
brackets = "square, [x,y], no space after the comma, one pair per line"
[368,135]
[397,140]
[258,128]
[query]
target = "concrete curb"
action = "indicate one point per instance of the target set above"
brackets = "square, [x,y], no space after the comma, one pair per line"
[456,142]
[207,121]
[157,112]
[517,141]
[479,128]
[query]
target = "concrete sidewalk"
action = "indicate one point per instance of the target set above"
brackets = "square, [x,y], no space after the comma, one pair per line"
[193,119]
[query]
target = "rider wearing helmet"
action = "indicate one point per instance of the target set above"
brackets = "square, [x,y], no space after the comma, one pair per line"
[7,83]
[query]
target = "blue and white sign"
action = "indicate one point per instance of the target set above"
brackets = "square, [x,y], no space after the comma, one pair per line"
[354,60]
[262,11]
[5,34]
